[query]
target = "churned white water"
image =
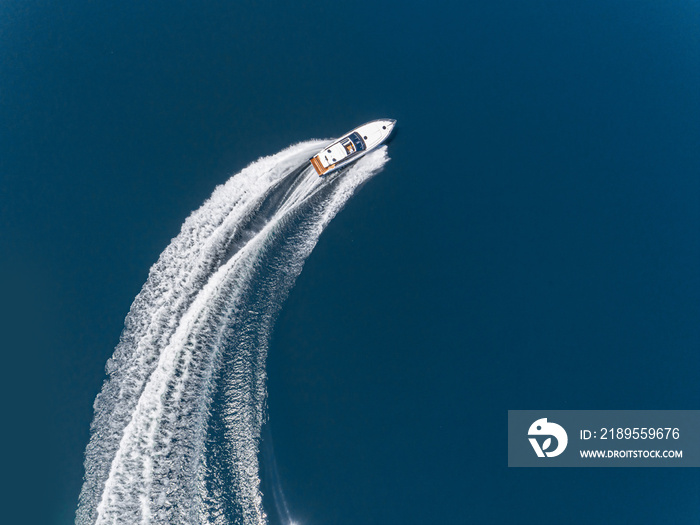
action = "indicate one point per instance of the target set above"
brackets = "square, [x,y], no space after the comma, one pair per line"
[176,432]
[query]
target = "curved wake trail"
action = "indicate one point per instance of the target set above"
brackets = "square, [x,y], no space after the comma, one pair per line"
[176,431]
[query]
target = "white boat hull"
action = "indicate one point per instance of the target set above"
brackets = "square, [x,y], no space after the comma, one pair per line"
[352,146]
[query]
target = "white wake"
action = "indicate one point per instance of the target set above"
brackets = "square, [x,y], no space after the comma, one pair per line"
[176,431]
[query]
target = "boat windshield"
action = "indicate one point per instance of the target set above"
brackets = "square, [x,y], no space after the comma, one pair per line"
[357,141]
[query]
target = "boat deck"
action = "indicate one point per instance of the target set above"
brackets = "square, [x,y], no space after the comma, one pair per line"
[316,163]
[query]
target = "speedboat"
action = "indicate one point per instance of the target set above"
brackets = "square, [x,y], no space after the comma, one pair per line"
[351,146]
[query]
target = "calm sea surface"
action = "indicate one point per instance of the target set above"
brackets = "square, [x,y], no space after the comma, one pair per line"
[533,243]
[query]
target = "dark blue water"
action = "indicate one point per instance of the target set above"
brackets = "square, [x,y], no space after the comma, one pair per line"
[532,243]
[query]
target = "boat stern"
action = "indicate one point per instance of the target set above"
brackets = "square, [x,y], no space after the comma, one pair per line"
[319,167]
